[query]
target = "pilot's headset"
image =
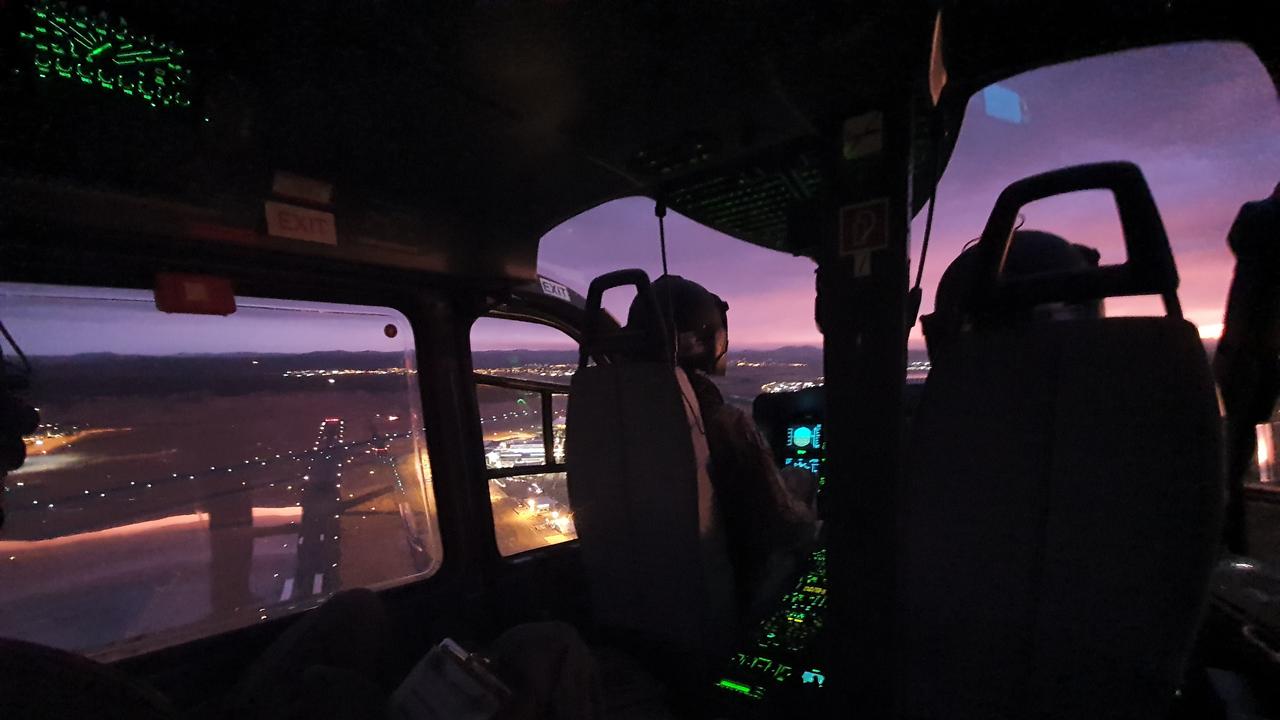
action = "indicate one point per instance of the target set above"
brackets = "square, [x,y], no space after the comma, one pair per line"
[1031,253]
[700,318]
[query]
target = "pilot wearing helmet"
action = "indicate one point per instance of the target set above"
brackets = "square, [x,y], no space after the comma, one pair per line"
[769,515]
[1032,252]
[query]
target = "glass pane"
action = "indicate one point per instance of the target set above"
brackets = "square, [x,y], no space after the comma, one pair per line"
[531,511]
[193,474]
[512,425]
[522,350]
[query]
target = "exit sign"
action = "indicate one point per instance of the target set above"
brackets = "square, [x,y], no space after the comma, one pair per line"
[301,223]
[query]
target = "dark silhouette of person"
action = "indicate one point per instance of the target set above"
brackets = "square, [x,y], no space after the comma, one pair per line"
[1032,252]
[1247,362]
[770,515]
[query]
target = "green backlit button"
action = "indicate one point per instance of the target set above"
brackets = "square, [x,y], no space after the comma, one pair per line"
[740,688]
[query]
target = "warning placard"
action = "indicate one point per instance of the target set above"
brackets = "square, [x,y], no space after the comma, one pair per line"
[301,223]
[864,227]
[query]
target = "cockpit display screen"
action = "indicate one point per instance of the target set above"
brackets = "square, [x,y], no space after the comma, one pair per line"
[103,52]
[804,449]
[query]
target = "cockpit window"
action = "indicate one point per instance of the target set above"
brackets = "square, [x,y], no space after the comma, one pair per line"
[192,474]
[522,373]
[773,342]
[1199,119]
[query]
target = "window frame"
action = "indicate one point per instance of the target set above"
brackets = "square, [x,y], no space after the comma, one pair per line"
[545,392]
[116,259]
[174,639]
[527,305]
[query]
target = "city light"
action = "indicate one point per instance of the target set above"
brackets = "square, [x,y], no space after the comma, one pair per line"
[343,372]
[532,370]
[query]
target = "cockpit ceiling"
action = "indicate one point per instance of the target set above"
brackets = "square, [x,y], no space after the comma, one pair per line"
[468,129]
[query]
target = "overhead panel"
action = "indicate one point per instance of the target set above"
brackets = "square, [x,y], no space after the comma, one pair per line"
[752,203]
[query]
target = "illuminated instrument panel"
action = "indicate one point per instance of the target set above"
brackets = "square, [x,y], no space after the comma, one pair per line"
[781,653]
[804,448]
[69,44]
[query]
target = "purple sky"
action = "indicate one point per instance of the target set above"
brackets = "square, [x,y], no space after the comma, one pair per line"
[1201,120]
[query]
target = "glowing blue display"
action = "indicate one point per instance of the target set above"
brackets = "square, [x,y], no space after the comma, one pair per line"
[814,677]
[804,438]
[812,464]
[801,436]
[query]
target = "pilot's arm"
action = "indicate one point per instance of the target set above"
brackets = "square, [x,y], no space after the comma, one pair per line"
[767,509]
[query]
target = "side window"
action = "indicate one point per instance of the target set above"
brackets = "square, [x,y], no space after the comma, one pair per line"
[194,474]
[522,373]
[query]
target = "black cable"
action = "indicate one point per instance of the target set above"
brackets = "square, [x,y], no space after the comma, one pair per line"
[26,364]
[660,210]
[916,294]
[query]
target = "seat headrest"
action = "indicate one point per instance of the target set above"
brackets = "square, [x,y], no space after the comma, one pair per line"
[649,340]
[993,280]
[1148,270]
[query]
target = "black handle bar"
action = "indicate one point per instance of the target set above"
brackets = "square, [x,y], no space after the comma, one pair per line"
[1148,270]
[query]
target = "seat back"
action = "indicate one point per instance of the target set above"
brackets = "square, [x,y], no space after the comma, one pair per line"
[1061,512]
[645,511]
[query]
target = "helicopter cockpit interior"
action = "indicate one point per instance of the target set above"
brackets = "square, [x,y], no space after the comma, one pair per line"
[321,398]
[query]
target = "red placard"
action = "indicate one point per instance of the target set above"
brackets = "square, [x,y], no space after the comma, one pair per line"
[194,294]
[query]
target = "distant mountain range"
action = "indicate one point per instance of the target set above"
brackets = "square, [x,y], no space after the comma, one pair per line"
[807,354]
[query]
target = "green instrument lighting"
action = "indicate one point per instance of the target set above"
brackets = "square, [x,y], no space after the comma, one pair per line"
[133,64]
[738,687]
